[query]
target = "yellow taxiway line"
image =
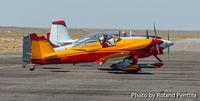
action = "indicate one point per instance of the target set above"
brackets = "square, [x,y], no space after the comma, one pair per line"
[1,67]
[187,45]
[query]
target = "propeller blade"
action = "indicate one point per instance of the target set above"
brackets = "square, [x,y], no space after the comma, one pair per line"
[155,31]
[168,36]
[157,49]
[168,45]
[147,34]
[168,51]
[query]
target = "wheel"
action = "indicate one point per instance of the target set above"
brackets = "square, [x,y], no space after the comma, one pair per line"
[32,68]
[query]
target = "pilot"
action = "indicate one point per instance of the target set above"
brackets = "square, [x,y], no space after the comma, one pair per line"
[105,43]
[123,34]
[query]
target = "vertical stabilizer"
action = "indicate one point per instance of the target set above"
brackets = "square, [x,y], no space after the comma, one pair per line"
[59,33]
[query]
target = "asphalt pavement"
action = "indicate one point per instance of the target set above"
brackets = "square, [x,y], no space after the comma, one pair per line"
[85,82]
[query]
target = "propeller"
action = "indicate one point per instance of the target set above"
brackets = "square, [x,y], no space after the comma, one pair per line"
[168,48]
[155,32]
[147,34]
[157,49]
[168,36]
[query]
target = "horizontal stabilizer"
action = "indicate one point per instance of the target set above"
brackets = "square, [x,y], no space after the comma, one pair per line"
[26,49]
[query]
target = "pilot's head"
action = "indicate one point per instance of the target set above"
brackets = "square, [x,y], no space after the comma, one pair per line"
[123,34]
[103,38]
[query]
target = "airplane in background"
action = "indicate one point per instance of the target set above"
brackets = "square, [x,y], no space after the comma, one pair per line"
[38,50]
[60,39]
[59,36]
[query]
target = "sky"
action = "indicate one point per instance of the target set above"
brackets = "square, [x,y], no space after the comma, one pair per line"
[127,14]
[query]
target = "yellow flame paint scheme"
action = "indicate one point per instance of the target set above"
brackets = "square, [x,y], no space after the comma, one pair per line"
[42,49]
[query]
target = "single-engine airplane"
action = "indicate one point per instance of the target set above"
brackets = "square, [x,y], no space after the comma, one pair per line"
[38,51]
[58,37]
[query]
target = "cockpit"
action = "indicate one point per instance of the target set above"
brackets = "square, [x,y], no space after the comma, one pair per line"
[105,38]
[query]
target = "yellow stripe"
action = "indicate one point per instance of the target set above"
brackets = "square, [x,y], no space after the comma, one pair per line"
[9,66]
[2,67]
[186,45]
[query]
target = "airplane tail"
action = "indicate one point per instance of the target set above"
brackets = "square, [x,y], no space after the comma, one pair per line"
[34,48]
[59,33]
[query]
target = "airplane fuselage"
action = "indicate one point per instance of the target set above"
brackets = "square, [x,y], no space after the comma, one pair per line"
[94,52]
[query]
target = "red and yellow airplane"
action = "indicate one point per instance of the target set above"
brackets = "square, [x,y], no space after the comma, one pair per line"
[38,51]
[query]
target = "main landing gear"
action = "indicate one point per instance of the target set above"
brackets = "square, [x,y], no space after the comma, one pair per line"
[159,63]
[128,64]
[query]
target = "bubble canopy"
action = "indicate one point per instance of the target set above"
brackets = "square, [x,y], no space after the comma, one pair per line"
[94,37]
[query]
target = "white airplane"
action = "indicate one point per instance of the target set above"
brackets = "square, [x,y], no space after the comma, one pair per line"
[59,36]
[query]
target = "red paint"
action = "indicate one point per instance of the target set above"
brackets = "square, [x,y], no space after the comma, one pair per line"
[42,38]
[89,57]
[155,52]
[157,58]
[135,58]
[104,44]
[155,41]
[158,37]
[48,36]
[34,36]
[59,22]
[99,61]
[53,47]
[36,61]
[158,64]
